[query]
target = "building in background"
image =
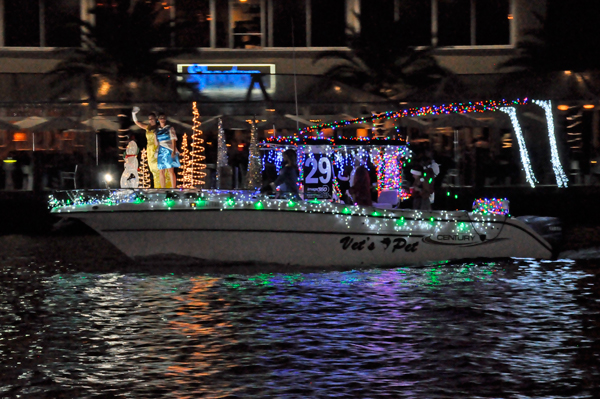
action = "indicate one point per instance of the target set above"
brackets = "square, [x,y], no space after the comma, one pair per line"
[281,41]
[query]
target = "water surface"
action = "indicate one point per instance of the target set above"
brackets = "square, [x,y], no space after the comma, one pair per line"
[516,328]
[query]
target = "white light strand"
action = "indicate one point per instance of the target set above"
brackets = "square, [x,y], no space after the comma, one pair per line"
[253,176]
[379,221]
[561,177]
[512,113]
[222,160]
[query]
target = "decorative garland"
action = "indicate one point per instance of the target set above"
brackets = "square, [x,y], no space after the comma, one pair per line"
[333,142]
[452,108]
[197,156]
[498,206]
[375,219]
[512,113]
[222,160]
[559,173]
[254,177]
[144,170]
[184,175]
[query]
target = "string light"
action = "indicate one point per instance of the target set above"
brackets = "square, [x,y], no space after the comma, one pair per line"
[376,221]
[331,141]
[452,108]
[144,170]
[253,177]
[559,173]
[512,113]
[185,172]
[498,206]
[222,160]
[197,167]
[389,168]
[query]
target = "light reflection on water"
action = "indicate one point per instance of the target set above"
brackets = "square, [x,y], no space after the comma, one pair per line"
[492,329]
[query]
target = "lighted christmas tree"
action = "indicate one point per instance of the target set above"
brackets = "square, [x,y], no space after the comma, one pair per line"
[196,166]
[222,160]
[389,169]
[254,175]
[184,175]
[144,172]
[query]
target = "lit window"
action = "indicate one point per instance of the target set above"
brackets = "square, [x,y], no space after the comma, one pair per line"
[246,21]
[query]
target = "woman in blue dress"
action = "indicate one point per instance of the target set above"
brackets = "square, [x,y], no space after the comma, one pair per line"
[168,156]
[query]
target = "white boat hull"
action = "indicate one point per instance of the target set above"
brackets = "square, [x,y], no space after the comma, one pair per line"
[292,237]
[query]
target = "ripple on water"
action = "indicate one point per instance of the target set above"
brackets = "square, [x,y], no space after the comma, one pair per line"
[500,329]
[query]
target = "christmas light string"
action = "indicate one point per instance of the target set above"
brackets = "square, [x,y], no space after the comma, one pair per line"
[512,113]
[379,221]
[452,108]
[144,170]
[389,168]
[254,177]
[184,174]
[498,206]
[197,156]
[559,173]
[222,160]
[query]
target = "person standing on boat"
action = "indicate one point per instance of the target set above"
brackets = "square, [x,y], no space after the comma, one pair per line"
[288,176]
[423,187]
[360,192]
[151,147]
[168,156]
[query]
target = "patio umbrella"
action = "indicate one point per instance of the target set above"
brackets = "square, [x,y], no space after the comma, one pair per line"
[60,123]
[229,122]
[412,122]
[101,122]
[30,122]
[8,126]
[279,122]
[457,120]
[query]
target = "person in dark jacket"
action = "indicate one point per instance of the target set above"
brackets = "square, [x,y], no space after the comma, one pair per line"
[288,176]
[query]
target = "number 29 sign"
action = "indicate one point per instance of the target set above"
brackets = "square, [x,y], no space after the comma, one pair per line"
[318,177]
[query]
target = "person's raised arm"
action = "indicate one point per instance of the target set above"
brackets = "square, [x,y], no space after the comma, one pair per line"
[135,119]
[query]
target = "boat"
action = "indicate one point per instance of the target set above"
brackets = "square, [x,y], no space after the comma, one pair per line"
[233,226]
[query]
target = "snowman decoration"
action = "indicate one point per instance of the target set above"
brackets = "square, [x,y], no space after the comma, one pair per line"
[130,177]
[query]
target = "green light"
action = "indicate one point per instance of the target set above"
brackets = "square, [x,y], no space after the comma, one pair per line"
[200,203]
[430,180]
[376,214]
[169,203]
[432,219]
[314,201]
[456,196]
[230,202]
[259,205]
[291,203]
[448,193]
[346,211]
